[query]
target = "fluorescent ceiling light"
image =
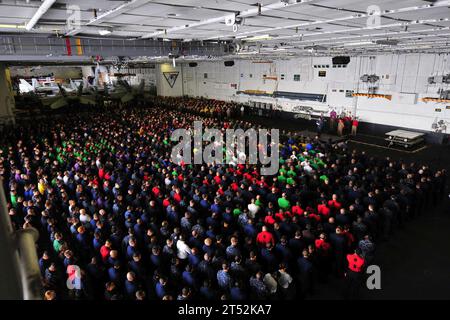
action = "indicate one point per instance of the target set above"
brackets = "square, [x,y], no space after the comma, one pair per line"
[357,43]
[273,49]
[248,52]
[261,37]
[11,26]
[104,32]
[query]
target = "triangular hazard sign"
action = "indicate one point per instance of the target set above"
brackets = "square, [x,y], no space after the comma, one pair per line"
[171,77]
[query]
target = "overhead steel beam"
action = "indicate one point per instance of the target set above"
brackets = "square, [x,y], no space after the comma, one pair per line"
[243,14]
[57,48]
[20,59]
[383,26]
[377,36]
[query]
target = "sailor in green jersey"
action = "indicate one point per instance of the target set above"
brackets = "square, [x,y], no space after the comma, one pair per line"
[283,203]
[290,181]
[13,199]
[282,177]
[291,173]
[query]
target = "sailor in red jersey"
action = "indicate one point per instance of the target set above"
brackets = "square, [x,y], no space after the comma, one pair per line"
[279,216]
[264,237]
[349,236]
[269,219]
[177,195]
[297,209]
[166,202]
[312,215]
[354,275]
[217,178]
[322,244]
[334,203]
[156,191]
[323,209]
[234,186]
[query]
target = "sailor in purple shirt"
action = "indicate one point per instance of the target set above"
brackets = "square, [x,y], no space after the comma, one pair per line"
[333,117]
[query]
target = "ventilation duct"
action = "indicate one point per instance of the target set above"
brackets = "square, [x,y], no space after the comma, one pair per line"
[341,60]
[388,42]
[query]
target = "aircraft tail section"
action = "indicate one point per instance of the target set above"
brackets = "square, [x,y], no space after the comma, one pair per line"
[25,87]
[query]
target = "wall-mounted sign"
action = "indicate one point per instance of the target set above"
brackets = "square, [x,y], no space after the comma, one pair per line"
[171,77]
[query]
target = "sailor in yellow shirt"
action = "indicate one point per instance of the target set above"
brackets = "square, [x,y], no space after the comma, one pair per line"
[42,186]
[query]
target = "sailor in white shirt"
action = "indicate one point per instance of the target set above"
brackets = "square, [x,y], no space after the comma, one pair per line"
[270,283]
[293,156]
[306,166]
[183,249]
[284,278]
[252,209]
[66,178]
[167,181]
[84,217]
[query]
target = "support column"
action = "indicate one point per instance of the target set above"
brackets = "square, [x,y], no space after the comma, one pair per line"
[7,102]
[356,86]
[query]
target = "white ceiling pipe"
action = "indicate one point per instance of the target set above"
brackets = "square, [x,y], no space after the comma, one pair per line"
[331,41]
[356,36]
[109,14]
[390,35]
[45,6]
[383,26]
[347,18]
[242,14]
[178,28]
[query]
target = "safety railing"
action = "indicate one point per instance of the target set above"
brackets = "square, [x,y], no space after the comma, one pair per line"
[19,45]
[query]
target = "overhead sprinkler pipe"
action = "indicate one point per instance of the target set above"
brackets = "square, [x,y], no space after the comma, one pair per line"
[45,6]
